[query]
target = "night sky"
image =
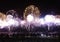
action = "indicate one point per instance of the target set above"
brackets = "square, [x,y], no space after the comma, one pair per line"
[45,6]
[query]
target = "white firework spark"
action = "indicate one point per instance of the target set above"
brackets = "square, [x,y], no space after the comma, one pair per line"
[30,22]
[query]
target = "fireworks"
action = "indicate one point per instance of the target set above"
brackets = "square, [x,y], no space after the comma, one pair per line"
[30,18]
[9,20]
[49,18]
